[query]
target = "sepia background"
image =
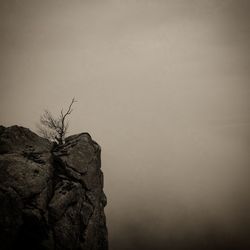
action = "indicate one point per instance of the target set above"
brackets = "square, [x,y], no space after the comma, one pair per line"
[163,87]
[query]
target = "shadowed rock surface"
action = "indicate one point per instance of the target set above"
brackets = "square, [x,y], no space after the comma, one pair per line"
[51,197]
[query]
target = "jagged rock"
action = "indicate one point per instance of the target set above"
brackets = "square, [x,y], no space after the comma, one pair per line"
[16,139]
[50,197]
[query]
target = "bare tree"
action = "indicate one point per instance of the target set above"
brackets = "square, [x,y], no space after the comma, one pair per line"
[55,128]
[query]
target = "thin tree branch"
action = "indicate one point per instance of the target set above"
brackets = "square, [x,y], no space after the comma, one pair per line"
[55,129]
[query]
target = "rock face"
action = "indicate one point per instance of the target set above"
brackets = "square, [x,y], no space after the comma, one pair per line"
[51,197]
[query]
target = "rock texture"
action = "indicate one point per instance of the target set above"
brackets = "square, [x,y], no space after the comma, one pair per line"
[51,197]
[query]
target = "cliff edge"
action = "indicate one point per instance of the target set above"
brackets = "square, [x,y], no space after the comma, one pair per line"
[51,197]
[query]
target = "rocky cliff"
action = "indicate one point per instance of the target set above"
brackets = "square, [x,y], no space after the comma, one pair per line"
[51,197]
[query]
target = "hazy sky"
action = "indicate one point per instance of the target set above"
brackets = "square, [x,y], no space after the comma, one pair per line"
[162,86]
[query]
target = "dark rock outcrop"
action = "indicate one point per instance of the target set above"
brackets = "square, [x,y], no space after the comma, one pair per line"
[50,197]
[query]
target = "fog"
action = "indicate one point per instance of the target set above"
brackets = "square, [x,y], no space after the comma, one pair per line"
[163,87]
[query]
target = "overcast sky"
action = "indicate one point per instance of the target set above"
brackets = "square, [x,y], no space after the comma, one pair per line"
[162,86]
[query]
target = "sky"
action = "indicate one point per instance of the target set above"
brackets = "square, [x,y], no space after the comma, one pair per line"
[163,87]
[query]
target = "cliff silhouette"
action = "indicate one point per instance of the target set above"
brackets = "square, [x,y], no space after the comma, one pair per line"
[51,197]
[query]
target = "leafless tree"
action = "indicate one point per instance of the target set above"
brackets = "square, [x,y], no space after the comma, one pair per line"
[55,128]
